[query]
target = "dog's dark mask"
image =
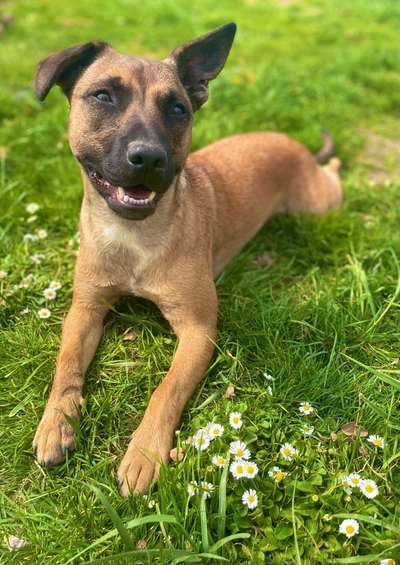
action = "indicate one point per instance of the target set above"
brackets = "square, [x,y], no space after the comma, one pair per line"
[131,118]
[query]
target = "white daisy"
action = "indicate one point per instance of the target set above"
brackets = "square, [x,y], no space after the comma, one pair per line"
[344,479]
[308,430]
[32,208]
[30,237]
[207,489]
[15,543]
[215,430]
[277,474]
[42,234]
[288,451]
[219,460]
[369,488]
[268,377]
[238,469]
[239,450]
[44,313]
[349,527]
[192,488]
[25,282]
[378,441]
[49,293]
[55,285]
[305,408]
[235,420]
[37,258]
[250,498]
[201,439]
[3,274]
[251,469]
[354,480]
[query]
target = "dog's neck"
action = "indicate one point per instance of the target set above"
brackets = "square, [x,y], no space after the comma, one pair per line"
[112,233]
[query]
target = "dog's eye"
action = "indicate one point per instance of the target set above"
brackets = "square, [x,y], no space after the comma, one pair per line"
[179,109]
[102,96]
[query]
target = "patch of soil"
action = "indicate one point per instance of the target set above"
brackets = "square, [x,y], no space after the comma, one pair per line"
[381,155]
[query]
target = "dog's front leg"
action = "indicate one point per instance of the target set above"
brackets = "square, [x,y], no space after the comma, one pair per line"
[82,330]
[195,326]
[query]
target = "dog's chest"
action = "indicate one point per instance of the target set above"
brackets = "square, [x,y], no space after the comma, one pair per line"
[128,255]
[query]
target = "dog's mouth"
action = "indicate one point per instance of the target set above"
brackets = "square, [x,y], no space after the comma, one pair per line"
[125,200]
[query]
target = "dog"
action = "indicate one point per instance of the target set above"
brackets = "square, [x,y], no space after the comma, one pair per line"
[159,223]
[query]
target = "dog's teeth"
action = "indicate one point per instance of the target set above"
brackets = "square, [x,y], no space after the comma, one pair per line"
[121,193]
[151,197]
[126,199]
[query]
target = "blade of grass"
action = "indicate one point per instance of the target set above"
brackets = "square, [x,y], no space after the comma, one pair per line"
[136,522]
[116,520]
[370,520]
[137,553]
[203,522]
[222,500]
[226,540]
[296,545]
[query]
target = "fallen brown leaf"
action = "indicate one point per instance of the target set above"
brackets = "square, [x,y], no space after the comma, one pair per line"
[129,335]
[141,544]
[264,260]
[176,454]
[352,429]
[362,451]
[230,391]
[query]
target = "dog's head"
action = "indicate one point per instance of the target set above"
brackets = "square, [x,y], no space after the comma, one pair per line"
[131,118]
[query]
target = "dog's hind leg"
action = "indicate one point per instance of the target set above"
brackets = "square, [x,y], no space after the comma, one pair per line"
[318,191]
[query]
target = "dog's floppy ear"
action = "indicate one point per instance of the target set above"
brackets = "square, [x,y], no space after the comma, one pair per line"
[201,60]
[64,67]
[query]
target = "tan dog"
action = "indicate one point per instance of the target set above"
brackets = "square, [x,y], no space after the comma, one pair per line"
[158,224]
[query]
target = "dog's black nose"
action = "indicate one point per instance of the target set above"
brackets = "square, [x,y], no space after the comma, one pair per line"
[146,157]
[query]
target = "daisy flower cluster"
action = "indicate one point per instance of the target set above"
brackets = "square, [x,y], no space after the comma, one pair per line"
[238,457]
[367,487]
[49,293]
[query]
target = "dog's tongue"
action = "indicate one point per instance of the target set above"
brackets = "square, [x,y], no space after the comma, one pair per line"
[139,192]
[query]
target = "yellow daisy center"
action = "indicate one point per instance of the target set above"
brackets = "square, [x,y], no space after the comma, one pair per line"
[377,442]
[250,469]
[215,431]
[239,452]
[349,529]
[239,469]
[369,488]
[279,476]
[286,451]
[235,420]
[355,481]
[251,498]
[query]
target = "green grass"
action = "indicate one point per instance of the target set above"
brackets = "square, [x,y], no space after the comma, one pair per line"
[323,319]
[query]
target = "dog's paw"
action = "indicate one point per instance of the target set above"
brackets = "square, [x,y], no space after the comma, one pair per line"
[141,463]
[54,437]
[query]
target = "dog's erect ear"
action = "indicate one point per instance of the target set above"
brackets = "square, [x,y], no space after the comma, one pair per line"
[201,60]
[64,67]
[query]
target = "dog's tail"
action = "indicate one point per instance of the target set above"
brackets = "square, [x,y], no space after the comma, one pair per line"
[328,148]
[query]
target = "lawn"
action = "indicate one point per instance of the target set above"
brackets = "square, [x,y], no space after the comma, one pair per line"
[314,302]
